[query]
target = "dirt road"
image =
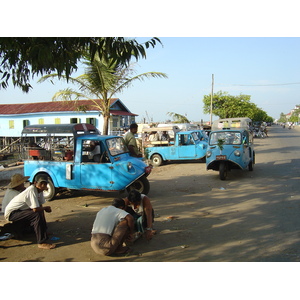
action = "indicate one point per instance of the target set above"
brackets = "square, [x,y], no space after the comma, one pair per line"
[251,216]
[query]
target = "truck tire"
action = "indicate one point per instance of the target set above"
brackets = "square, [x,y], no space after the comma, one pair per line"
[142,185]
[48,195]
[223,170]
[156,160]
[250,166]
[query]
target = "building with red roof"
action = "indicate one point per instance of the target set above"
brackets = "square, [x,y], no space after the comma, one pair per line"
[14,117]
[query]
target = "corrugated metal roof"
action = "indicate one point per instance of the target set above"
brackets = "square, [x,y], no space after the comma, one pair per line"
[55,106]
[121,113]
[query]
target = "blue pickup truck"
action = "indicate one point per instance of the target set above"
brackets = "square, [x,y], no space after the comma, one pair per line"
[70,162]
[181,145]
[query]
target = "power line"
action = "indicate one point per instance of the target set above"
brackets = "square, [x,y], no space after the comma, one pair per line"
[275,84]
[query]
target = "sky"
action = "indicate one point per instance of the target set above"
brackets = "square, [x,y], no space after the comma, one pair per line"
[266,68]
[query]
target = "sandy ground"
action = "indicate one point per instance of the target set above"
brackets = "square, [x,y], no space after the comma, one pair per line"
[251,216]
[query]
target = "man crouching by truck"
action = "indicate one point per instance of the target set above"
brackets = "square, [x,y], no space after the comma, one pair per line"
[111,228]
[28,206]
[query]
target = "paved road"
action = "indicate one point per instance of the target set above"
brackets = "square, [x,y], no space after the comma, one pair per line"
[252,216]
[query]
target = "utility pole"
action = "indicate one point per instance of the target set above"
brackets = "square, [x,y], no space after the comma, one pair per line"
[211,98]
[148,117]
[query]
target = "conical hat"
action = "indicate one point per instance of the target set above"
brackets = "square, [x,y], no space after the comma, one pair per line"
[16,180]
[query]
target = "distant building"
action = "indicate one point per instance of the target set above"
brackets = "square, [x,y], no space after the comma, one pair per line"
[293,112]
[14,117]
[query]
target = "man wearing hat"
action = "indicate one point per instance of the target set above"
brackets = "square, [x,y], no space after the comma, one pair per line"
[15,187]
[28,206]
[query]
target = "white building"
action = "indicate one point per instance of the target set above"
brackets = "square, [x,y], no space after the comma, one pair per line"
[14,117]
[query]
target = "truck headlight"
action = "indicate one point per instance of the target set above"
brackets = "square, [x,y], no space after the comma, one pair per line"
[237,153]
[148,170]
[208,153]
[129,166]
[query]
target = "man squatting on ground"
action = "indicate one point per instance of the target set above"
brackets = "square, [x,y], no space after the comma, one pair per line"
[28,206]
[111,228]
[140,207]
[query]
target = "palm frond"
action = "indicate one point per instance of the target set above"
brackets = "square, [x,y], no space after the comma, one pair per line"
[178,118]
[141,77]
[67,95]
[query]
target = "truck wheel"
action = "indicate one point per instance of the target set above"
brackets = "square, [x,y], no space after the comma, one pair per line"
[156,160]
[51,192]
[250,166]
[142,185]
[223,170]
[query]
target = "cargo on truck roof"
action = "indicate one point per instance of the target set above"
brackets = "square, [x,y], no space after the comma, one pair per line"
[59,129]
[232,123]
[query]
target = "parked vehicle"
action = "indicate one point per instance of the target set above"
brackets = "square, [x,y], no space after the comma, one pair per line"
[70,162]
[181,126]
[185,145]
[230,147]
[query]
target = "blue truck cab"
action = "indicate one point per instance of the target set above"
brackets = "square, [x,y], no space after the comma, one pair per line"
[181,145]
[70,161]
[230,146]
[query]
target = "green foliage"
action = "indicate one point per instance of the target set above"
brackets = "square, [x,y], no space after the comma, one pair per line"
[294,117]
[178,118]
[228,106]
[23,57]
[282,118]
[103,78]
[220,144]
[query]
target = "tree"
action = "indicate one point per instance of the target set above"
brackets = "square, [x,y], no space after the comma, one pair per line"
[282,118]
[228,106]
[178,118]
[25,57]
[103,78]
[295,116]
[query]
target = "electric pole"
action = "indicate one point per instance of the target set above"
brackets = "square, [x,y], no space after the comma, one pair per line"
[211,98]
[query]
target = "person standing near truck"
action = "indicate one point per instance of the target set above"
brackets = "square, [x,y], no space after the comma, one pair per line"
[130,141]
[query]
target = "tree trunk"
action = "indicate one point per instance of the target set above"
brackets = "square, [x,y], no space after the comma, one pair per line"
[105,125]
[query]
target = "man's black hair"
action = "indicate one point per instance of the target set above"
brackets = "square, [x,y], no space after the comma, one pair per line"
[134,196]
[118,203]
[133,125]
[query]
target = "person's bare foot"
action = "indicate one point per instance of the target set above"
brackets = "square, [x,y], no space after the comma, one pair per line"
[46,246]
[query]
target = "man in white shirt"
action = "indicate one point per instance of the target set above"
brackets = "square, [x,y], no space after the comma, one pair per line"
[111,228]
[28,206]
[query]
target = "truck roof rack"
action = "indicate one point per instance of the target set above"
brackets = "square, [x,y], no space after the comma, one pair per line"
[59,129]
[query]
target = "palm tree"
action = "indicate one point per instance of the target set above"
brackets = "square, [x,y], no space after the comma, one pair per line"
[103,78]
[178,118]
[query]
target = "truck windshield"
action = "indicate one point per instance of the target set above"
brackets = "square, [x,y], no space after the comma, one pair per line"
[227,138]
[116,146]
[195,136]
